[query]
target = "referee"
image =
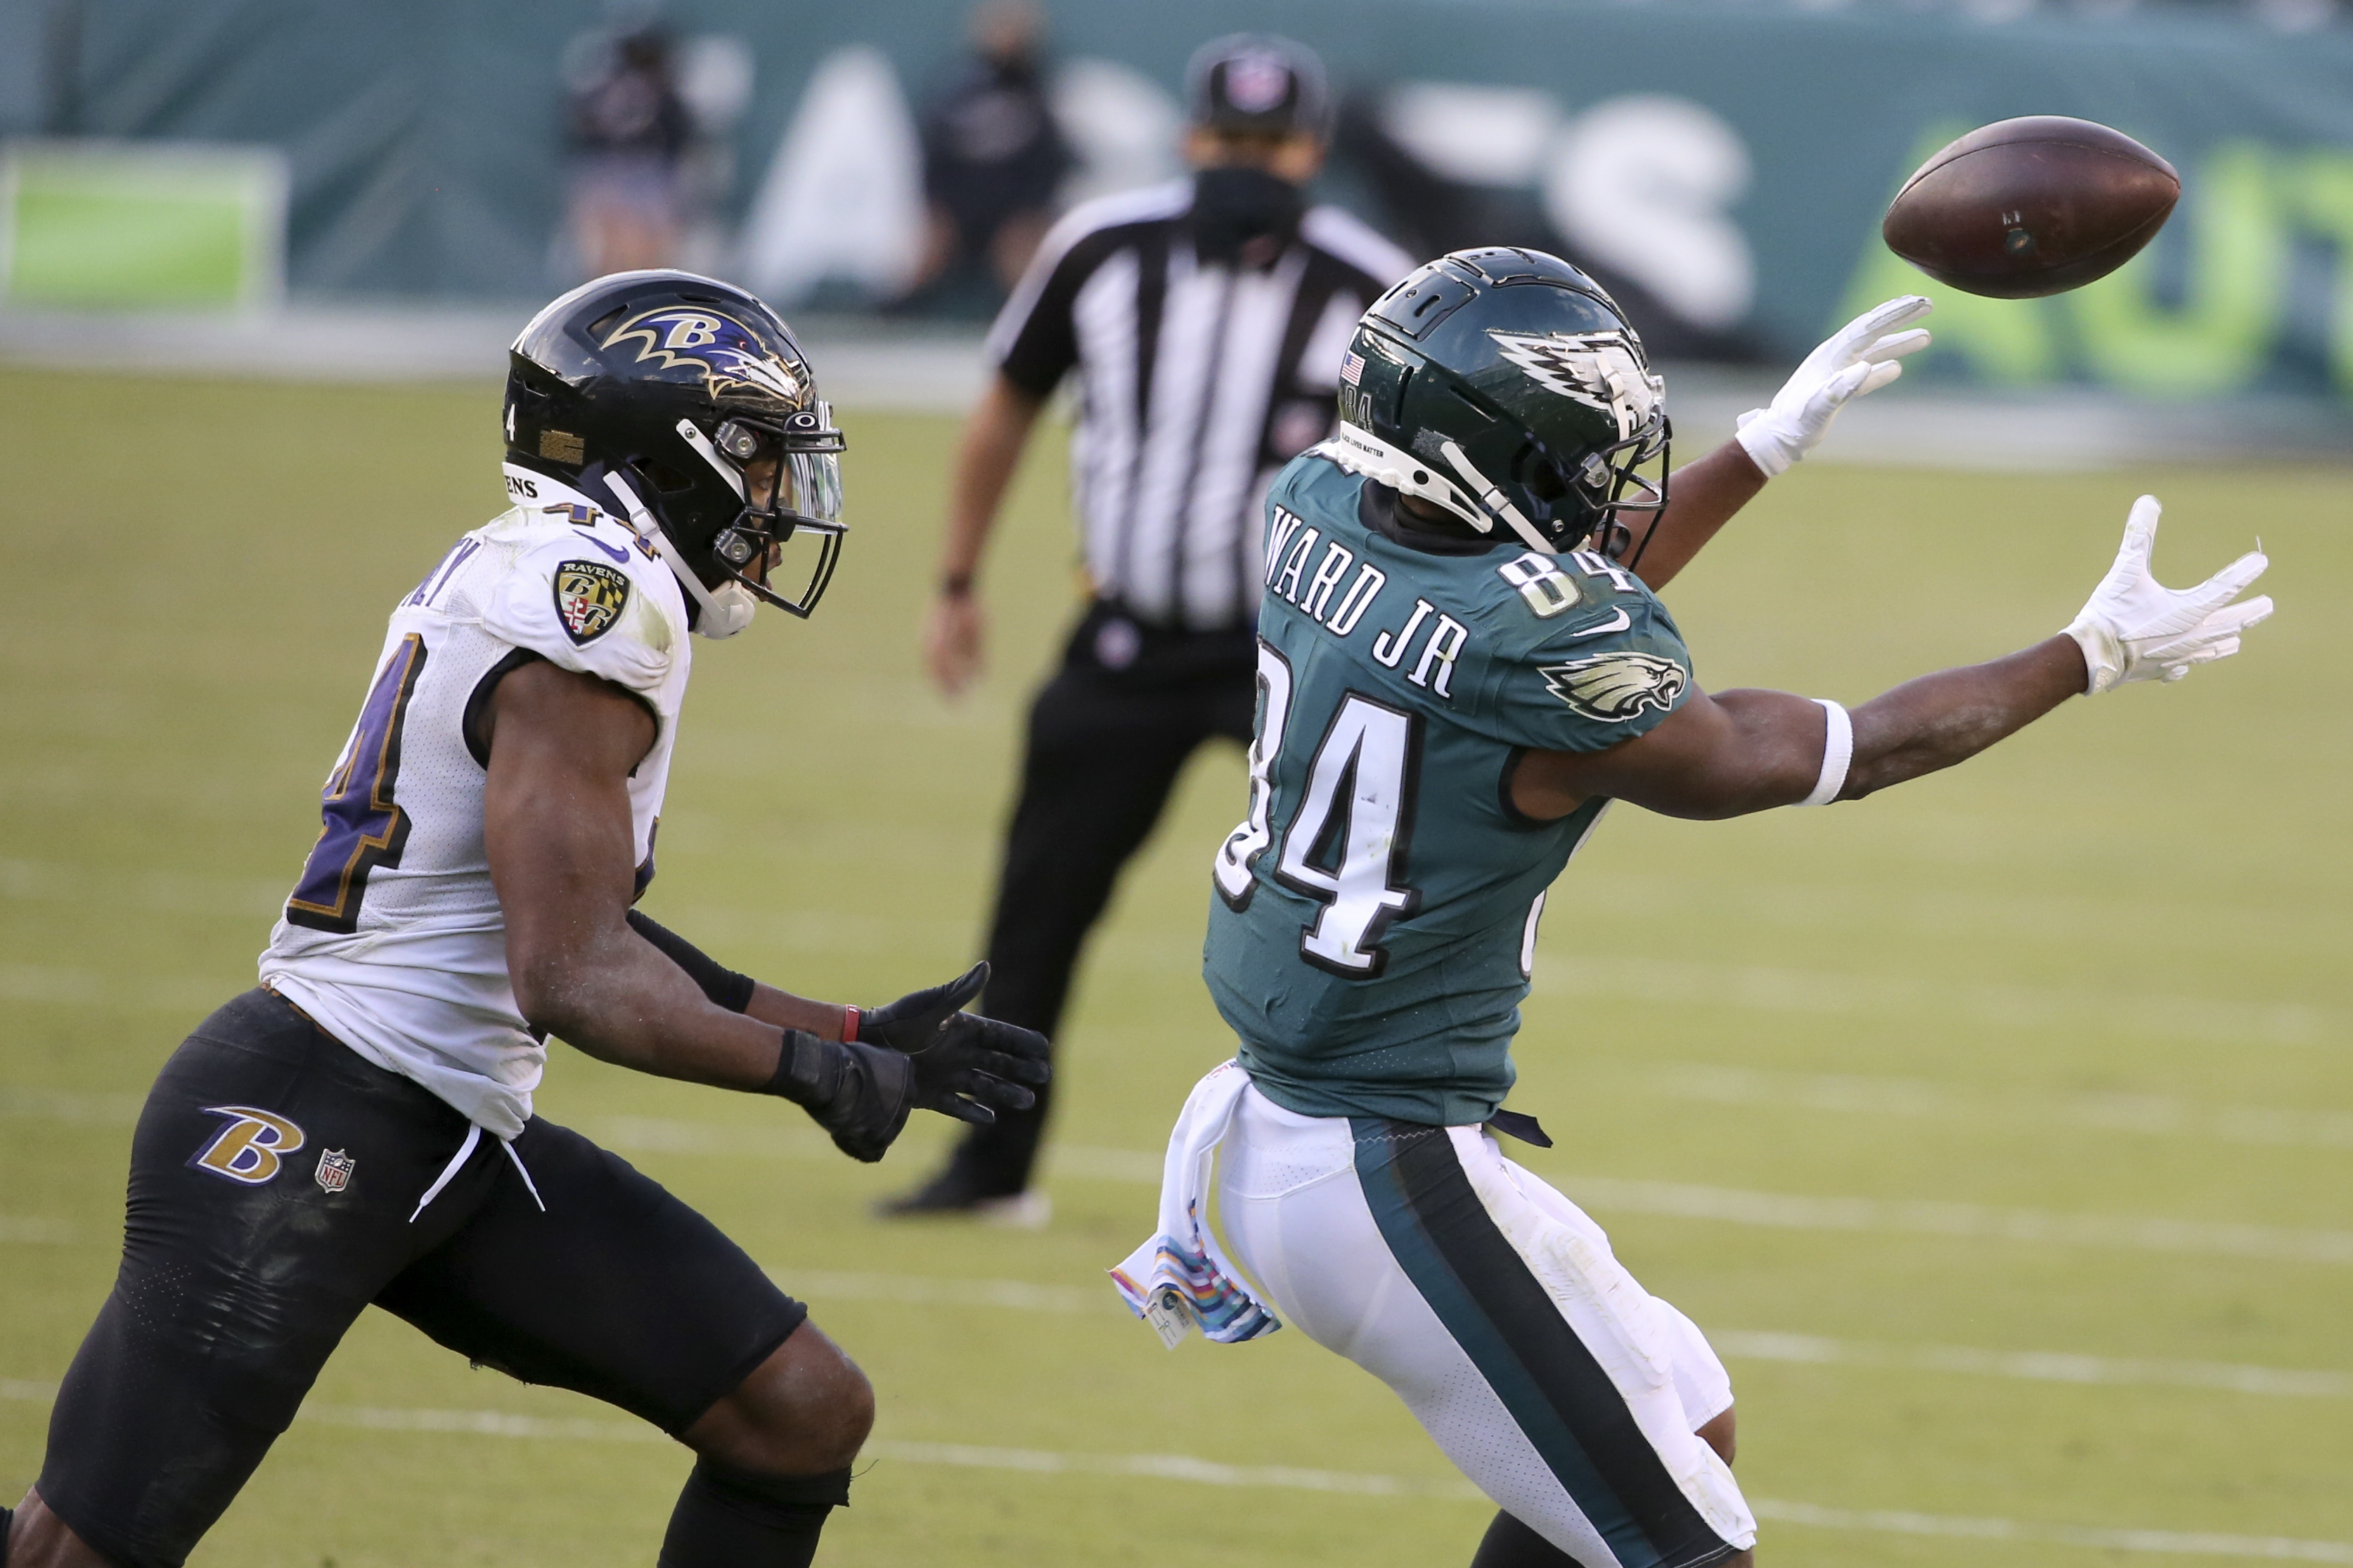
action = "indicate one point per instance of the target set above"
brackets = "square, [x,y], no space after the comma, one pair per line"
[1206,320]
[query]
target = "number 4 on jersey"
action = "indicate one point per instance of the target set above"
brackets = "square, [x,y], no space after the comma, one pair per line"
[1346,844]
[362,827]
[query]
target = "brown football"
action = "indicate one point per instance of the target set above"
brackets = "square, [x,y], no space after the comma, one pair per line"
[2026,208]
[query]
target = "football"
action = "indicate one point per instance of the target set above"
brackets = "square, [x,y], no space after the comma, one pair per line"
[2026,208]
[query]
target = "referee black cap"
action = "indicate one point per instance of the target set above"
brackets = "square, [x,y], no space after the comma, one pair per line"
[1257,81]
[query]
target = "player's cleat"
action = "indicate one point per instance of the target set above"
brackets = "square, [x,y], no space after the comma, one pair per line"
[953,1194]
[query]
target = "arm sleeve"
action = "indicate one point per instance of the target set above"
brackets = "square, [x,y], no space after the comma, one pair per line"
[724,987]
[1591,684]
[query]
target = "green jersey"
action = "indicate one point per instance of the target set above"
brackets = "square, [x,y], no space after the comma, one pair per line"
[1376,914]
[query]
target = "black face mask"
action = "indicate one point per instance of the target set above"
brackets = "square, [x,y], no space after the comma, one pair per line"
[1239,213]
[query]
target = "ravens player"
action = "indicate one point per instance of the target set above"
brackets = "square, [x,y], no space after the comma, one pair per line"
[1462,663]
[359,1129]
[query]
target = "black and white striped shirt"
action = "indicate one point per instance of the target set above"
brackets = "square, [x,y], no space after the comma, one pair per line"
[1197,382]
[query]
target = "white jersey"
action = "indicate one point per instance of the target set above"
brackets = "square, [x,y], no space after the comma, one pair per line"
[393,939]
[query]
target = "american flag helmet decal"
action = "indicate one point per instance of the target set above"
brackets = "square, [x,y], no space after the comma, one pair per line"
[1352,368]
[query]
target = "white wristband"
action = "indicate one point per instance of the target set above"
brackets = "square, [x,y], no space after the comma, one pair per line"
[1838,751]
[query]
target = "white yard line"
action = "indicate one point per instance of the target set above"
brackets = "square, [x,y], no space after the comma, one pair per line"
[1673,1199]
[2149,1115]
[1762,988]
[1709,1082]
[2181,1543]
[1918,1216]
[2034,1366]
[1924,1099]
[37,1232]
[1739,1344]
[1185,1469]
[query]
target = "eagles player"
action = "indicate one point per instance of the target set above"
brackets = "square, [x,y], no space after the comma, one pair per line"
[1461,664]
[359,1129]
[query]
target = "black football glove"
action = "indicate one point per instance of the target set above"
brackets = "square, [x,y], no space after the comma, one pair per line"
[921,1050]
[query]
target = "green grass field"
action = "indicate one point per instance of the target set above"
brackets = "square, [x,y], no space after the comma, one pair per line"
[1997,1129]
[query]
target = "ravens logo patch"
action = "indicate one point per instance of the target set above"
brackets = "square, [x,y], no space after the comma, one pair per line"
[590,598]
[1615,687]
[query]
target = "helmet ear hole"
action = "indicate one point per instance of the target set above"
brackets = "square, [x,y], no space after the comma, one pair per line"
[670,481]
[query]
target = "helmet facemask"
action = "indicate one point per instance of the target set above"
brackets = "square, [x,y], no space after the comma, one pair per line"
[1608,482]
[787,473]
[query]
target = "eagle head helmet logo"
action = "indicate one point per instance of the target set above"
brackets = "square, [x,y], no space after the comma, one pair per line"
[1603,370]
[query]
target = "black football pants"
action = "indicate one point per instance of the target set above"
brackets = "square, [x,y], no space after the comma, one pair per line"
[242,1268]
[1107,737]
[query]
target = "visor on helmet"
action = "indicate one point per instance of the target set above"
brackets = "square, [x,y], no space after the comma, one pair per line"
[790,528]
[1609,482]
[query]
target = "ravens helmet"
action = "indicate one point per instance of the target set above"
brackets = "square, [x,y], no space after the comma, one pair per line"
[678,398]
[1505,386]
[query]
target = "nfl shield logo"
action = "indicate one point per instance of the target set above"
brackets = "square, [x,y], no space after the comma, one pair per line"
[336,1169]
[1256,83]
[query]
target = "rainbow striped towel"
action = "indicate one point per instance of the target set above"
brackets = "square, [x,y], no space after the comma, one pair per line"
[1179,1281]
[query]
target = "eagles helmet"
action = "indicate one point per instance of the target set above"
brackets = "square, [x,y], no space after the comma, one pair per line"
[1504,385]
[663,391]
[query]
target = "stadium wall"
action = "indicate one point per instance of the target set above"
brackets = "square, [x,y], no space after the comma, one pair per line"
[1729,160]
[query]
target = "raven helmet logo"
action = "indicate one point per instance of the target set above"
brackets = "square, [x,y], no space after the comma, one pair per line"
[725,350]
[590,598]
[1600,370]
[334,1172]
[1615,687]
[251,1148]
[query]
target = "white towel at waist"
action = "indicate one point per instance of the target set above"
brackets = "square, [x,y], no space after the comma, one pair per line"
[1179,1280]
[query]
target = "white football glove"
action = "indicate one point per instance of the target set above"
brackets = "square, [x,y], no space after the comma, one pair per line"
[1862,356]
[2134,629]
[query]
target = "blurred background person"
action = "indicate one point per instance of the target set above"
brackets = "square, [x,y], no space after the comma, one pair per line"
[629,130]
[1451,166]
[993,157]
[1206,320]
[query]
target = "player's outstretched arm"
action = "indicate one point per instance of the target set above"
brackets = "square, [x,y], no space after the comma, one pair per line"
[1742,752]
[1751,751]
[1858,359]
[556,825]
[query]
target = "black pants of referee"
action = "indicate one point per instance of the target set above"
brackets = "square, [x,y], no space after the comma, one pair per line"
[1107,737]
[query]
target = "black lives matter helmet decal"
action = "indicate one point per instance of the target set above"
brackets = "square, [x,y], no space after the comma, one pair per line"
[1506,386]
[669,397]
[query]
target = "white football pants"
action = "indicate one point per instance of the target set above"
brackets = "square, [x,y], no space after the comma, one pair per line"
[1493,1306]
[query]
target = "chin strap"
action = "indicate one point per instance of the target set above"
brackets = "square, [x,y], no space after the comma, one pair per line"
[720,615]
[727,471]
[1361,452]
[1497,501]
